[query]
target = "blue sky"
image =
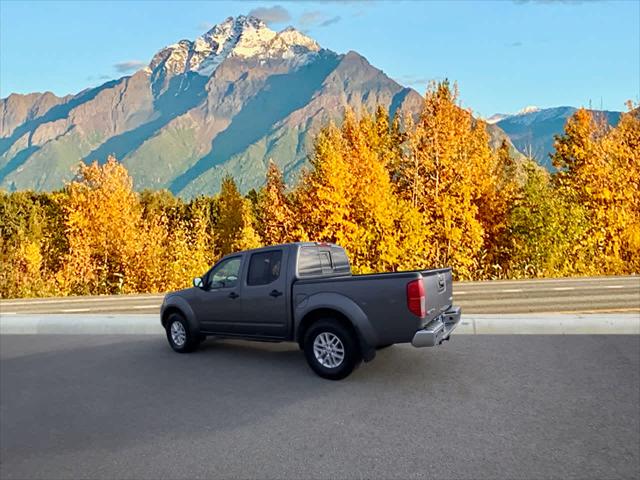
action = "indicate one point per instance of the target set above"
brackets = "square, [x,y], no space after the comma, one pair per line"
[504,54]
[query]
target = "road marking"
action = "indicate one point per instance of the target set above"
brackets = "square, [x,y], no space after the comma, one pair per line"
[459,293]
[510,290]
[615,286]
[564,288]
[96,309]
[8,313]
[109,298]
[604,310]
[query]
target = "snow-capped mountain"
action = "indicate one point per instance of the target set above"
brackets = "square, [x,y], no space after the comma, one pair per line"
[245,37]
[223,103]
[532,129]
[497,117]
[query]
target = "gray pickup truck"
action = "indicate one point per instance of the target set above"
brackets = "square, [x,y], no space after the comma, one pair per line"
[305,293]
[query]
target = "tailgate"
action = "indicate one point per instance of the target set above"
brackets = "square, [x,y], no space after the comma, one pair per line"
[438,288]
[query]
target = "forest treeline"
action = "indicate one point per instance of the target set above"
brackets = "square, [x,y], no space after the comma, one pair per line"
[396,193]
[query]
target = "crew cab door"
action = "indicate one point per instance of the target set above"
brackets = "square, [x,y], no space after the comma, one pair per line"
[220,306]
[264,295]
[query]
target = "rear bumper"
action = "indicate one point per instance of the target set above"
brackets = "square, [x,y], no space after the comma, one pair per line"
[438,330]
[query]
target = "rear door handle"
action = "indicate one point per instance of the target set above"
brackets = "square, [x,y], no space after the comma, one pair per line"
[233,295]
[275,293]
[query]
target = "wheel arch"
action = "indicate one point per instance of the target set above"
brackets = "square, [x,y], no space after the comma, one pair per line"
[180,306]
[167,312]
[362,331]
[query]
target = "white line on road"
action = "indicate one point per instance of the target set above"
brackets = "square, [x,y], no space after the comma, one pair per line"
[111,298]
[604,310]
[100,309]
[539,290]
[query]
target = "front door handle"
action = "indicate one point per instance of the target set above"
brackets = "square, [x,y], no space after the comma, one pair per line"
[233,295]
[275,293]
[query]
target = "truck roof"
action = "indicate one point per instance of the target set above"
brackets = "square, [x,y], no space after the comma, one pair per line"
[300,244]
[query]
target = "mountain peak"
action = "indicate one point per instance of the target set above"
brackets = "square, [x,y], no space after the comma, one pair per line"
[528,109]
[241,36]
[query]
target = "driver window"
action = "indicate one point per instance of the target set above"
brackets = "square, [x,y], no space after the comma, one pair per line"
[225,274]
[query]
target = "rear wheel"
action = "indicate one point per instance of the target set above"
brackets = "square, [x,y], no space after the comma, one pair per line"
[331,349]
[179,336]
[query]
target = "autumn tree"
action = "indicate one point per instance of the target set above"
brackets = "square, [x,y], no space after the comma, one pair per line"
[544,230]
[276,219]
[598,169]
[495,203]
[31,243]
[102,215]
[347,197]
[622,145]
[446,174]
[234,230]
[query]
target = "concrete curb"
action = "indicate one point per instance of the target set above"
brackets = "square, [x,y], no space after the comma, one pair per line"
[80,324]
[520,324]
[550,324]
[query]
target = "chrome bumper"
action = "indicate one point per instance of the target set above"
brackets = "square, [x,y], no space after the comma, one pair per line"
[438,330]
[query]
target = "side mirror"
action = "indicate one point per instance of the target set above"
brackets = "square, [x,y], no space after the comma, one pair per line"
[197,282]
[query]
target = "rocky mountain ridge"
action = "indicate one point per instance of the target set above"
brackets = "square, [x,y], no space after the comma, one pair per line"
[224,103]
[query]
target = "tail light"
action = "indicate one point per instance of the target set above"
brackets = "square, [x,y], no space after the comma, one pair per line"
[416,300]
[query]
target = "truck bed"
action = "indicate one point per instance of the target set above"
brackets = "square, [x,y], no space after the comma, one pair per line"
[383,298]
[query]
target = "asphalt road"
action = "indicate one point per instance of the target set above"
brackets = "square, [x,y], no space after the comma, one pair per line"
[477,407]
[580,295]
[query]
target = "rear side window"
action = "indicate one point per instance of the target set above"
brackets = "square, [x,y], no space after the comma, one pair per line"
[318,261]
[264,267]
[309,262]
[325,261]
[340,260]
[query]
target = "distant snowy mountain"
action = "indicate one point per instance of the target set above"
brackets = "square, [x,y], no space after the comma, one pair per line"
[532,129]
[224,103]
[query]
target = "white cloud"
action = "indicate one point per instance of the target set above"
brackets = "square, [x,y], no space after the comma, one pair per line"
[317,19]
[129,66]
[275,14]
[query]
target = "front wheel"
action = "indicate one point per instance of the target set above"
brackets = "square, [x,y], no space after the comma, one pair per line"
[179,335]
[331,349]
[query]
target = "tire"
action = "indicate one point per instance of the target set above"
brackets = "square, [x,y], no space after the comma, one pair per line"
[179,335]
[325,360]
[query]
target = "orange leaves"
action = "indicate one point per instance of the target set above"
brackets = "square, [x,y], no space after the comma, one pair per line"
[102,219]
[235,230]
[348,197]
[397,194]
[600,167]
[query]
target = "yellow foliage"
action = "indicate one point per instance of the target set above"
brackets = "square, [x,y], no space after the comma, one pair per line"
[276,216]
[397,194]
[235,230]
[347,198]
